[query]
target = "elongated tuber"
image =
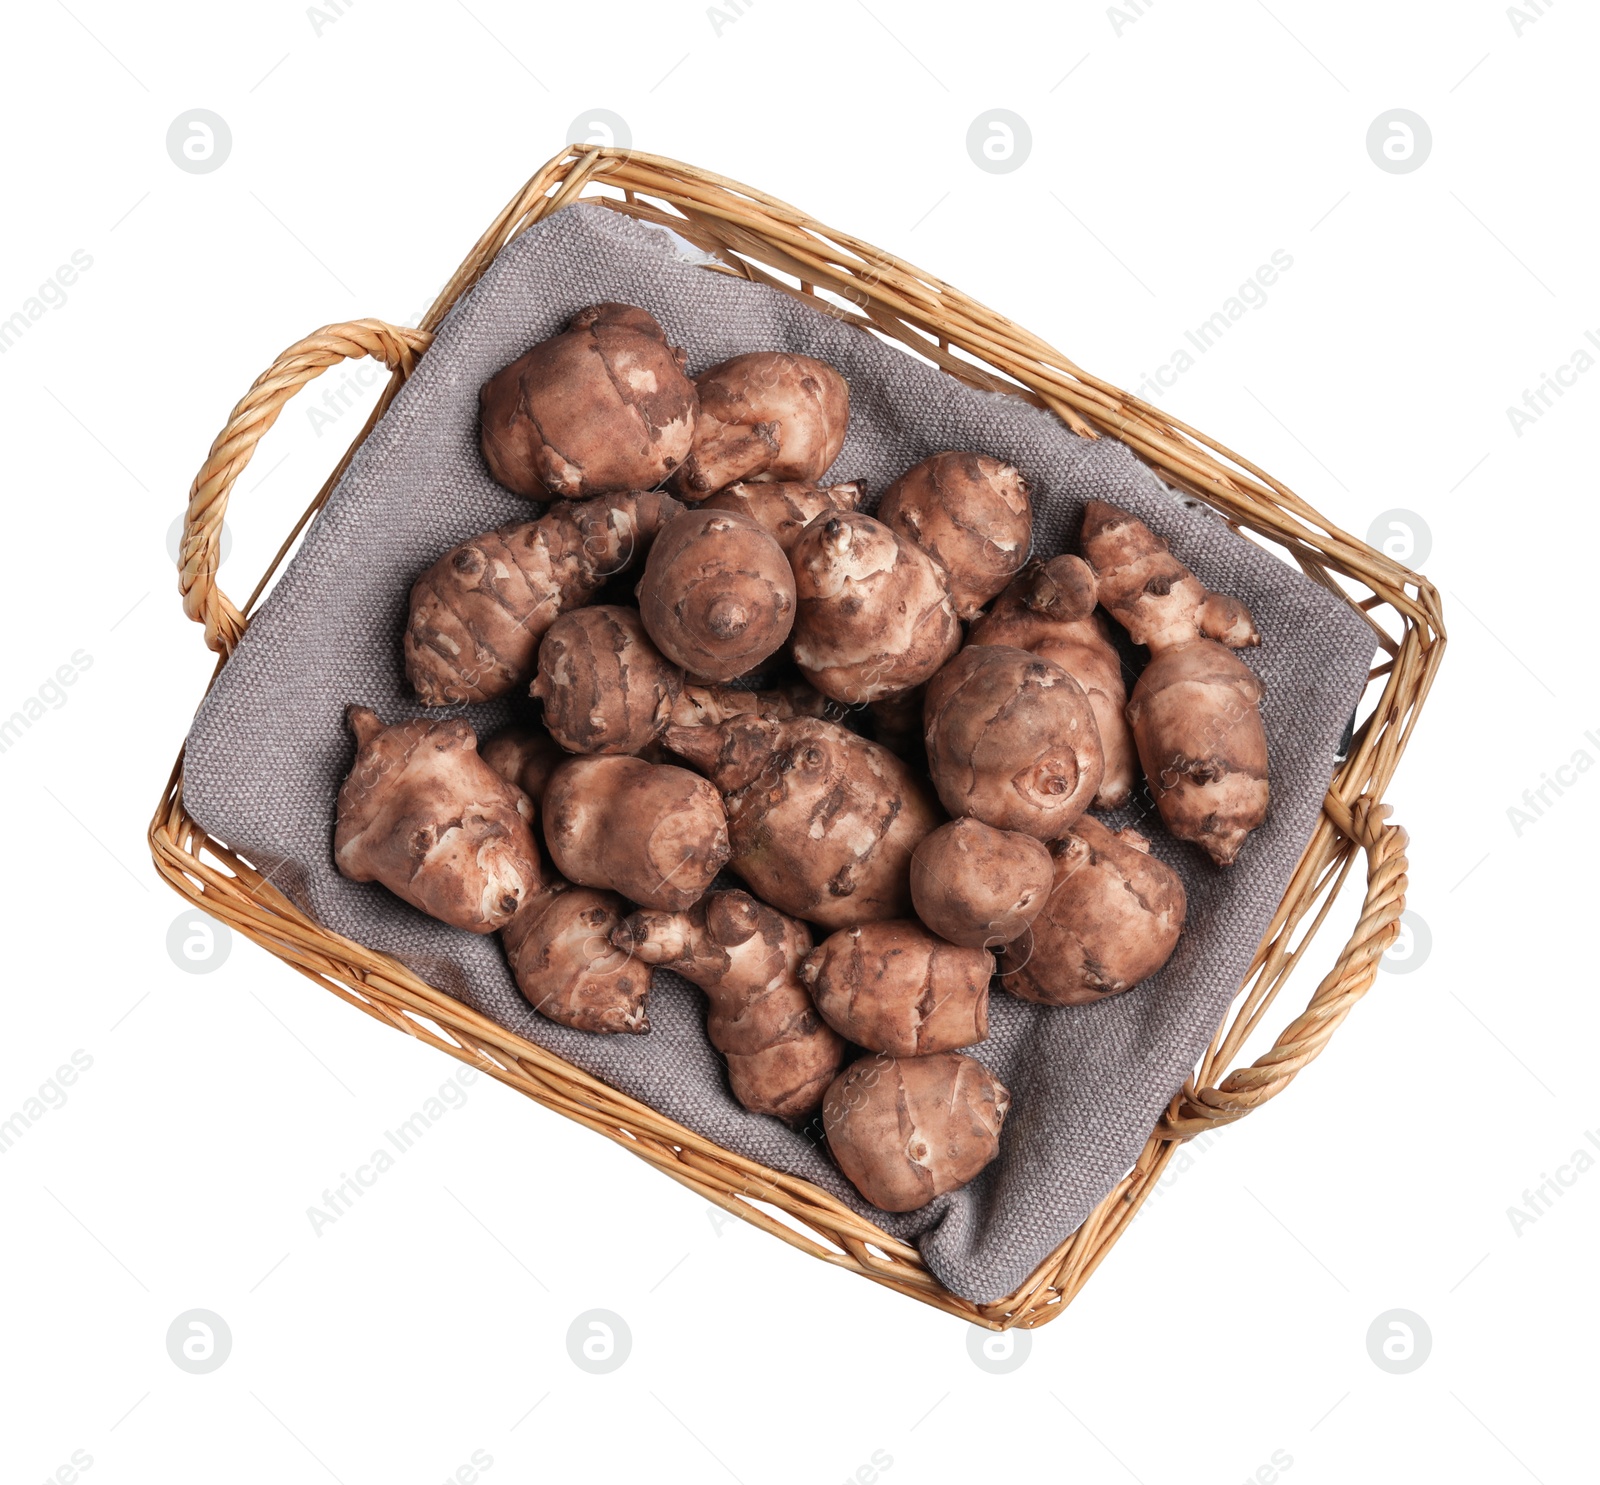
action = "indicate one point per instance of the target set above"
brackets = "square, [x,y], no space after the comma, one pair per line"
[978,886]
[562,958]
[787,507]
[605,687]
[602,407]
[874,614]
[717,595]
[908,1129]
[1049,609]
[1195,711]
[652,832]
[821,822]
[524,756]
[893,987]
[781,1054]
[710,706]
[1112,920]
[1011,741]
[424,815]
[478,614]
[764,416]
[972,514]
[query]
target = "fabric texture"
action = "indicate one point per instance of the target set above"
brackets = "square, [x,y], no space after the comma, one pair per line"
[268,748]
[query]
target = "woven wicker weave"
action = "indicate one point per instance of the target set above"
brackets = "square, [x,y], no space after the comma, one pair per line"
[756,237]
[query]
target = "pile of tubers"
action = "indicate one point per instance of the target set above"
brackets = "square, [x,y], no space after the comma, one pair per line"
[892,728]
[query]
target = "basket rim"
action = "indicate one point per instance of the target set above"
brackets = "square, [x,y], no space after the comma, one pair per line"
[760,238]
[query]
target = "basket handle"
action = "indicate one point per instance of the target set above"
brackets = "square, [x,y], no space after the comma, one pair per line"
[199,553]
[1302,1040]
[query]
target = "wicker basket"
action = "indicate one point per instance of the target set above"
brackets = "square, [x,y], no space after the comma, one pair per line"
[761,239]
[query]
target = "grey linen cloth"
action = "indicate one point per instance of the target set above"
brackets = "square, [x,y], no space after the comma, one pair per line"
[268,748]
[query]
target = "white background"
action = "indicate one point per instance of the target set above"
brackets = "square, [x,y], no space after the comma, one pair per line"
[1173,151]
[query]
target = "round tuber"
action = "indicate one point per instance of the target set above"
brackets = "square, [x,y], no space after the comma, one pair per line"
[1011,741]
[710,706]
[781,1054]
[605,687]
[893,987]
[524,756]
[478,614]
[874,614]
[908,1129]
[765,416]
[717,595]
[1112,920]
[787,507]
[978,886]
[652,832]
[602,407]
[972,514]
[424,815]
[562,958]
[1049,609]
[821,822]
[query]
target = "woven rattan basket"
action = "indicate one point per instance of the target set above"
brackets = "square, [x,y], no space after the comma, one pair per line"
[756,237]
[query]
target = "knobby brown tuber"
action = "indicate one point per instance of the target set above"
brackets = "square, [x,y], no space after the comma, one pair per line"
[1195,709]
[478,614]
[710,706]
[424,815]
[524,756]
[978,886]
[1011,741]
[874,614]
[717,595]
[972,514]
[787,507]
[893,987]
[605,687]
[908,1129]
[781,1054]
[1049,609]
[765,416]
[562,958]
[651,831]
[602,407]
[1112,920]
[821,822]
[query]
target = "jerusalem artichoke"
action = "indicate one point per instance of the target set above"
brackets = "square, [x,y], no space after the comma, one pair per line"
[978,886]
[605,687]
[785,508]
[781,1054]
[478,614]
[652,832]
[821,822]
[602,407]
[766,416]
[1112,920]
[717,595]
[893,987]
[1049,609]
[562,958]
[424,815]
[524,756]
[874,614]
[908,1129]
[972,514]
[710,706]
[1195,709]
[1011,741]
